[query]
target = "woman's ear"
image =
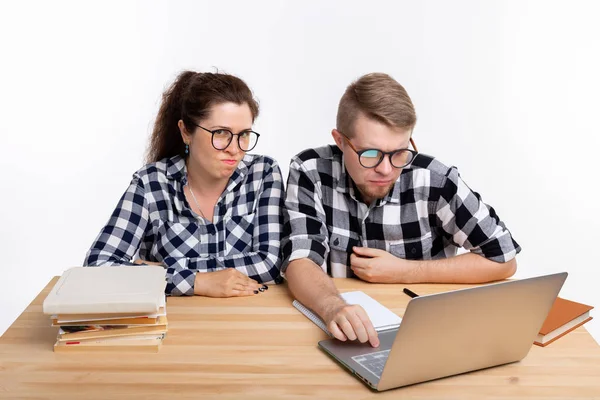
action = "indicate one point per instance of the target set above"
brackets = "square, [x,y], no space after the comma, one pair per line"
[185,135]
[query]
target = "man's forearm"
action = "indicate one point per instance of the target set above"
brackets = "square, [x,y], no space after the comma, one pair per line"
[312,287]
[465,268]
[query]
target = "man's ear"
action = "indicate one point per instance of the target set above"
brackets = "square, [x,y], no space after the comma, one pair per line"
[185,135]
[337,137]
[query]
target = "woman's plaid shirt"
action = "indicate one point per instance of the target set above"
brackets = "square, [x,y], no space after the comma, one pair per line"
[154,218]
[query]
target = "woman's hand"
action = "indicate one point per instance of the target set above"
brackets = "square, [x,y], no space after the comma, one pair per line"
[142,262]
[226,283]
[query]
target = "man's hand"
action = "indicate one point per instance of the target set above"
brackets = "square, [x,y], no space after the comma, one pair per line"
[226,283]
[378,266]
[350,322]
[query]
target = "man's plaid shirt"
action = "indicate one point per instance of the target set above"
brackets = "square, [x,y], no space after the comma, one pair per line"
[429,214]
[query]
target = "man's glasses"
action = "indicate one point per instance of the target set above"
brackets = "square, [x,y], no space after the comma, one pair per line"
[370,158]
[221,138]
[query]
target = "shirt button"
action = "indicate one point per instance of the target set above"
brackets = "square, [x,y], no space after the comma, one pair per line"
[413,250]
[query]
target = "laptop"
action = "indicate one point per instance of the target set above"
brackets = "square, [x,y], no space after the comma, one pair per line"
[452,333]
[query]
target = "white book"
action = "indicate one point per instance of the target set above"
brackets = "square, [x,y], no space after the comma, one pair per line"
[68,318]
[381,317]
[107,290]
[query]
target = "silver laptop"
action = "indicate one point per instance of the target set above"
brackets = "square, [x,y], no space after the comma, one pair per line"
[453,332]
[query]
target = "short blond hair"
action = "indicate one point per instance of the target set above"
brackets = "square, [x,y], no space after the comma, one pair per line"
[378,96]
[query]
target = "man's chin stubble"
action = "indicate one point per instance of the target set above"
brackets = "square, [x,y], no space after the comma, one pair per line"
[379,194]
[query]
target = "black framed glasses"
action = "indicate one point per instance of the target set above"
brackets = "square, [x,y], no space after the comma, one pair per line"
[370,158]
[221,138]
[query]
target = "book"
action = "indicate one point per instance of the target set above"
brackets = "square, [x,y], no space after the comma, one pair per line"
[120,340]
[109,321]
[381,317]
[144,345]
[100,331]
[564,317]
[77,319]
[107,290]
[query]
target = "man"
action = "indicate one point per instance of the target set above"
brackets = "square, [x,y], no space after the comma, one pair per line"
[374,209]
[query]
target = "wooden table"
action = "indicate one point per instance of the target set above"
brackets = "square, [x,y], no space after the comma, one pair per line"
[262,348]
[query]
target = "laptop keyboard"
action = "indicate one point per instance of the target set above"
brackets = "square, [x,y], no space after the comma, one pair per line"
[373,362]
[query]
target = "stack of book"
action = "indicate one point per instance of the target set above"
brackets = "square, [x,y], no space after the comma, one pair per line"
[109,308]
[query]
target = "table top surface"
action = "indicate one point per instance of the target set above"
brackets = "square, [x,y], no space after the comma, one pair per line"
[261,347]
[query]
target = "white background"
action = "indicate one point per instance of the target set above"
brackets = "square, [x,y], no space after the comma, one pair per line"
[508,91]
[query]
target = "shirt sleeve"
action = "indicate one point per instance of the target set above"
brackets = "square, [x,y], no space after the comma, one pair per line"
[305,232]
[472,224]
[120,239]
[261,264]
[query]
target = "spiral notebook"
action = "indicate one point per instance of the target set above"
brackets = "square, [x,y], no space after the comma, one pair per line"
[382,318]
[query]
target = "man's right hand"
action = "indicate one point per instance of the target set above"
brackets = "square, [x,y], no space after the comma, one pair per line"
[351,322]
[225,283]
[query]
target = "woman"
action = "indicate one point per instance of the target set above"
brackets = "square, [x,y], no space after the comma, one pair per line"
[204,208]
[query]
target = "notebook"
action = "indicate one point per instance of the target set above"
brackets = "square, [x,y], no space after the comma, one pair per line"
[564,316]
[107,290]
[381,317]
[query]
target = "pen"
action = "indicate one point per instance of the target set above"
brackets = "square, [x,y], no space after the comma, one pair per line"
[410,293]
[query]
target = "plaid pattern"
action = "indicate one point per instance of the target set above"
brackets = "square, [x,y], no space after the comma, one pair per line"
[429,214]
[154,217]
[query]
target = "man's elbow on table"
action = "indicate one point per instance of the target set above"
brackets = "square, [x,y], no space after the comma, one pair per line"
[508,268]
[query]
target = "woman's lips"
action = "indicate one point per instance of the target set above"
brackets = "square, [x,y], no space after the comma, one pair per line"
[230,162]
